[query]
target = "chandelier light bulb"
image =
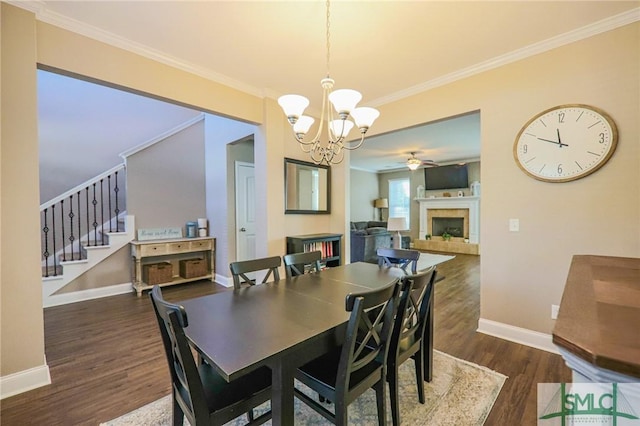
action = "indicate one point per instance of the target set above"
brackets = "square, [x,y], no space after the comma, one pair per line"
[413,163]
[344,100]
[364,117]
[341,128]
[293,106]
[302,126]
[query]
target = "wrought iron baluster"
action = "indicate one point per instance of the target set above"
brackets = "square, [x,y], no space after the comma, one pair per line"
[71,236]
[117,210]
[86,193]
[64,243]
[102,211]
[45,253]
[79,228]
[109,198]
[53,239]
[95,216]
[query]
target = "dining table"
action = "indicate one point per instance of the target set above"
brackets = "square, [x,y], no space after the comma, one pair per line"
[282,325]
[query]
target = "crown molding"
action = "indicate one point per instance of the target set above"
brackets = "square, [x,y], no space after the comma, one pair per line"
[590,30]
[48,16]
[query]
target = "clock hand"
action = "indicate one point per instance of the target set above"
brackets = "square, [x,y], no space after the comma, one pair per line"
[560,144]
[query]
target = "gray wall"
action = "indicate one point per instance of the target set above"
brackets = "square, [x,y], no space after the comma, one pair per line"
[166,181]
[364,189]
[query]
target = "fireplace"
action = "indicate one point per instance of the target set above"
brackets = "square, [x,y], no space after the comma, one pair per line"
[442,209]
[451,225]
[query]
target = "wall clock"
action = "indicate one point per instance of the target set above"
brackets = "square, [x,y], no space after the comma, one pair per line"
[565,143]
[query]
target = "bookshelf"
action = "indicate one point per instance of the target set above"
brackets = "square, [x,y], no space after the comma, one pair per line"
[330,245]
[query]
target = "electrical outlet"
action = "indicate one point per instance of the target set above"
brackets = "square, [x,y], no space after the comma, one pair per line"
[554,311]
[514,225]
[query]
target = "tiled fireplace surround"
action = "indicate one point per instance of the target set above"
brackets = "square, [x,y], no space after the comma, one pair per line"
[467,208]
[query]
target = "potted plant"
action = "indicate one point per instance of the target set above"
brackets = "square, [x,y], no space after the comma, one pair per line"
[446,236]
[427,237]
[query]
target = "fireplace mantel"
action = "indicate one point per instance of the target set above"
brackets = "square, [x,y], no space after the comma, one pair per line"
[471,203]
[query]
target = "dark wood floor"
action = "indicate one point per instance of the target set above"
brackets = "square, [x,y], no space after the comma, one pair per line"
[106,357]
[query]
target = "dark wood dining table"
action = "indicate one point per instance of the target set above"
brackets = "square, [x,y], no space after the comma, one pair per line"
[281,325]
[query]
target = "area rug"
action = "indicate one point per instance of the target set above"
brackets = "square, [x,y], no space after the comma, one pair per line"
[461,394]
[427,260]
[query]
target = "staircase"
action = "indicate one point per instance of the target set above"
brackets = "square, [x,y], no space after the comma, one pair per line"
[80,229]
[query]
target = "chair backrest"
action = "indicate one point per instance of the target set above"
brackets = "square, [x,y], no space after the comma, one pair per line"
[413,309]
[240,268]
[187,387]
[367,337]
[298,263]
[401,258]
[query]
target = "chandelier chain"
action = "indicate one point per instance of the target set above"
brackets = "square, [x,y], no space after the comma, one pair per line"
[328,37]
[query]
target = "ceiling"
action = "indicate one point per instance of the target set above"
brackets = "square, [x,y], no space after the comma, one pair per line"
[384,49]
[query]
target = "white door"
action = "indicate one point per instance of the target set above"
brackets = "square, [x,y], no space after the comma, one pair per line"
[245,211]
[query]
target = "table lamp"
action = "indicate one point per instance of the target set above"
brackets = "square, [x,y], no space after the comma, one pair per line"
[397,224]
[381,203]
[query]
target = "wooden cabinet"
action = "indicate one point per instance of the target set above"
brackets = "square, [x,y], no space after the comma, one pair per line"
[145,253]
[330,245]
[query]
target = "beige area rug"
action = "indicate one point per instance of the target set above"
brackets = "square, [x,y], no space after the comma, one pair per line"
[427,260]
[461,393]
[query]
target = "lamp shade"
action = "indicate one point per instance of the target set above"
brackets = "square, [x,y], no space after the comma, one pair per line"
[381,203]
[344,100]
[341,128]
[397,224]
[364,117]
[293,105]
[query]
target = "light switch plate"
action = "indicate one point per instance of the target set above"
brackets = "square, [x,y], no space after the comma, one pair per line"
[514,225]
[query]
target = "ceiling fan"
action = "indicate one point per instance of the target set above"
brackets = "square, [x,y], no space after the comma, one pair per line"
[413,162]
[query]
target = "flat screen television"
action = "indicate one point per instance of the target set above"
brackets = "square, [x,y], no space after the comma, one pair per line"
[446,177]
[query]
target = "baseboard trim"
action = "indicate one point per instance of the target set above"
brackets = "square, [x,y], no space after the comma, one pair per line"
[92,293]
[224,281]
[24,381]
[519,335]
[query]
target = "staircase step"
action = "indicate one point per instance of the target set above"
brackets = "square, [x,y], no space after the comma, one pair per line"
[52,271]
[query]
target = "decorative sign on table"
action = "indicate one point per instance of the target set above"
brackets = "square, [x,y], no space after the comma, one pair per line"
[159,233]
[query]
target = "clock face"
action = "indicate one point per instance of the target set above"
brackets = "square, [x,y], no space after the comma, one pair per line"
[565,143]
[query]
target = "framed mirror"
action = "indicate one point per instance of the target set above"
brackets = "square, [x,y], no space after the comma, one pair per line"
[307,187]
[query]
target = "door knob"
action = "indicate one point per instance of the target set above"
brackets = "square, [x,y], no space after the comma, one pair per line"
[243,229]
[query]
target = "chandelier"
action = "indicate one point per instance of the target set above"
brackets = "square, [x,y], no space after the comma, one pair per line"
[413,163]
[338,125]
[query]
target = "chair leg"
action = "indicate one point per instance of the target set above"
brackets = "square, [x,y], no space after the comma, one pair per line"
[419,375]
[250,415]
[392,378]
[381,401]
[341,414]
[178,415]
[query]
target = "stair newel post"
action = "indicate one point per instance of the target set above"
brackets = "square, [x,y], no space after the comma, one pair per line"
[95,216]
[45,253]
[117,210]
[71,236]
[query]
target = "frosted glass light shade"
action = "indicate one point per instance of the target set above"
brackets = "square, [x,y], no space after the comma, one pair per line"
[341,128]
[293,105]
[344,100]
[396,224]
[413,163]
[364,116]
[303,125]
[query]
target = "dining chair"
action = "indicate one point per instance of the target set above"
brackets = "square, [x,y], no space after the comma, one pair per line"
[199,393]
[299,263]
[240,268]
[408,338]
[347,371]
[401,258]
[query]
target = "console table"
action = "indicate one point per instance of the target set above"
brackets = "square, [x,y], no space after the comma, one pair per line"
[172,250]
[597,326]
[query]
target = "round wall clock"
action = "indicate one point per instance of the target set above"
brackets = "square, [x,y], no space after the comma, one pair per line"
[565,143]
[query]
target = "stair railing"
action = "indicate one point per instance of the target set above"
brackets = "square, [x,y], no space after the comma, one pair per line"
[81,216]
